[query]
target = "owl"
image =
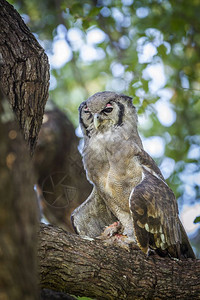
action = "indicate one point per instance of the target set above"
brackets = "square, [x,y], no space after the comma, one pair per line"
[128,187]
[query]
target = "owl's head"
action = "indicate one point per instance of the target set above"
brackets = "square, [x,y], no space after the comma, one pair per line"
[104,110]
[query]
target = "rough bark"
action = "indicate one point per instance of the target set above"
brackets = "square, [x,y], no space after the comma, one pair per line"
[25,72]
[70,263]
[24,78]
[62,183]
[18,213]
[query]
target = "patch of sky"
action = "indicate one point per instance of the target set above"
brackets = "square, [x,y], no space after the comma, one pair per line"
[105,12]
[167,167]
[75,36]
[117,69]
[187,215]
[156,74]
[89,53]
[154,145]
[127,2]
[61,51]
[95,36]
[142,12]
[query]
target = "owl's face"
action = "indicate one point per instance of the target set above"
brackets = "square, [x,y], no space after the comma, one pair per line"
[104,110]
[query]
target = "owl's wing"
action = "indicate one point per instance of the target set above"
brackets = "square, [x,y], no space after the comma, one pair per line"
[155,214]
[92,216]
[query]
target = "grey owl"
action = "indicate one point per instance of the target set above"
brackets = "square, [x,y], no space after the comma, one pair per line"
[128,187]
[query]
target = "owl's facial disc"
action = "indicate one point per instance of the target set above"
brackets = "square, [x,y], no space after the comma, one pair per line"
[96,116]
[102,117]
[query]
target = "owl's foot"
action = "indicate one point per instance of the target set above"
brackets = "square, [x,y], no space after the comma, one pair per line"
[113,229]
[118,240]
[112,235]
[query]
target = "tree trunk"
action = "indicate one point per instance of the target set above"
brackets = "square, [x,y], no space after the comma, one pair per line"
[72,264]
[18,213]
[24,77]
[25,72]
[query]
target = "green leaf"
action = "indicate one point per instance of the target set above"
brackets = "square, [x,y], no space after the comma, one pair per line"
[162,51]
[197,220]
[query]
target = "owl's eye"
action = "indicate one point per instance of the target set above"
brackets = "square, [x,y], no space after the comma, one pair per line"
[108,108]
[86,110]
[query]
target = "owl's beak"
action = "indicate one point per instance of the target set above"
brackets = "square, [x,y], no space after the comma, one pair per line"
[97,120]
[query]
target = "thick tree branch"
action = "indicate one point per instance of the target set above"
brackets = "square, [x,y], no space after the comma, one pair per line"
[79,266]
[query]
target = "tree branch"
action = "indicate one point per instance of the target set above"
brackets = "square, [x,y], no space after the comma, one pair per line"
[72,264]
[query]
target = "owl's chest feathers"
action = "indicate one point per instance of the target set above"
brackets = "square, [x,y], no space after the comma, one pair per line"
[113,168]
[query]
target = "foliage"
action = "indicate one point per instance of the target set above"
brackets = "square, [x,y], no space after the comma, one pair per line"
[147,49]
[83,298]
[197,220]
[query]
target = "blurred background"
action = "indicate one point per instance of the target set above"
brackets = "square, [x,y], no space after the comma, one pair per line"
[149,50]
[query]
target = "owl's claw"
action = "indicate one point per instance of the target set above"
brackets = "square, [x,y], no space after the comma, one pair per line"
[111,230]
[150,252]
[112,235]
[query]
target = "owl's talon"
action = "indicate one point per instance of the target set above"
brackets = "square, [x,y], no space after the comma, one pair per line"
[173,258]
[112,235]
[111,230]
[150,252]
